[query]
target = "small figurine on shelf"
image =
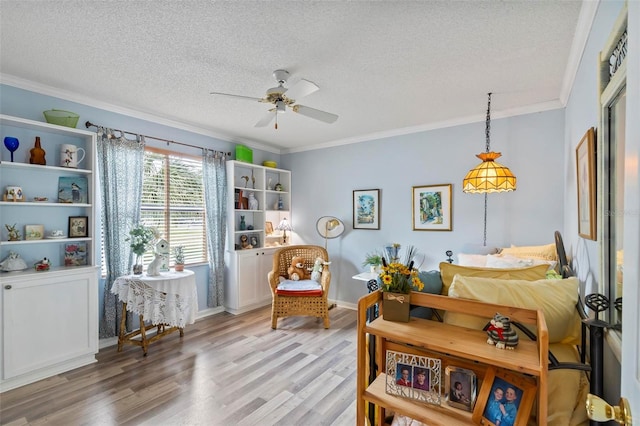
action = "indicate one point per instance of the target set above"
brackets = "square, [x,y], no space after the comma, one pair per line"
[43,265]
[253,202]
[501,334]
[12,233]
[246,180]
[13,262]
[269,185]
[278,186]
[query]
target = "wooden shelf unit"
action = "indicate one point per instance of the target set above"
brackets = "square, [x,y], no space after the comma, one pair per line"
[452,344]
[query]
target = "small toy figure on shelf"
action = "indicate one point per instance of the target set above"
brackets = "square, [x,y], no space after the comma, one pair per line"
[43,265]
[501,334]
[12,233]
[278,186]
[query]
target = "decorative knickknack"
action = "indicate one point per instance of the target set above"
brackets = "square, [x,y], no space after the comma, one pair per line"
[37,154]
[395,306]
[178,252]
[397,282]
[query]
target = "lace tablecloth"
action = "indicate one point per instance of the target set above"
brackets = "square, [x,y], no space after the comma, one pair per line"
[170,298]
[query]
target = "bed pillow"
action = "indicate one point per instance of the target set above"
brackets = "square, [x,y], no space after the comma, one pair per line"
[556,298]
[545,252]
[472,260]
[449,270]
[509,261]
[433,285]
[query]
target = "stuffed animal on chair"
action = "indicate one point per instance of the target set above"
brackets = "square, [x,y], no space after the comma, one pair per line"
[296,271]
[316,271]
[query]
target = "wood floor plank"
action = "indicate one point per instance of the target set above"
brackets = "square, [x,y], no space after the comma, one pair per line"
[226,370]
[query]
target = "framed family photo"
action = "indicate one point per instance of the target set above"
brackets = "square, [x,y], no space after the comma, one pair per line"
[413,376]
[366,209]
[431,207]
[505,399]
[460,385]
[78,226]
[586,184]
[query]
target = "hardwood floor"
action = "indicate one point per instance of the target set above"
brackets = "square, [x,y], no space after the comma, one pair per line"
[226,370]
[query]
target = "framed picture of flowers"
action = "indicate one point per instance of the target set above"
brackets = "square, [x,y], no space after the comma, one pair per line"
[366,209]
[432,208]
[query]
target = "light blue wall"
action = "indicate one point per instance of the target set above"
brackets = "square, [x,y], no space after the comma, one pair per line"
[323,181]
[27,104]
[582,113]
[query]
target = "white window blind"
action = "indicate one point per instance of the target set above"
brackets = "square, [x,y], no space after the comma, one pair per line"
[172,202]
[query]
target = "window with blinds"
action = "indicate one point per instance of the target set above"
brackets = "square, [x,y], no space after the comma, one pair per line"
[173,202]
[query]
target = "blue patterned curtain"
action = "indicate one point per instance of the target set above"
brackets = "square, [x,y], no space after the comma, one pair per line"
[120,168]
[215,194]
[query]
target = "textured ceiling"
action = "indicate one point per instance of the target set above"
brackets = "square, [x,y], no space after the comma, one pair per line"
[385,67]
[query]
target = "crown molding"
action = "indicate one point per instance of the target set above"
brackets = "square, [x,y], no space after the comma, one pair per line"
[42,89]
[529,109]
[580,38]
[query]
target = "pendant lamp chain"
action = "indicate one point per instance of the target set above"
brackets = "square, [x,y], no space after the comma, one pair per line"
[487,130]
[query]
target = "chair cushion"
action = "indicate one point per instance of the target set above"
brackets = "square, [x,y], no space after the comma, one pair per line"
[299,288]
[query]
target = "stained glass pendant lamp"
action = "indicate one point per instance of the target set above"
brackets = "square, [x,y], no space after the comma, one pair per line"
[488,176]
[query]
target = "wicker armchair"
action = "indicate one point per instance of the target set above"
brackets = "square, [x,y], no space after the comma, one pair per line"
[285,305]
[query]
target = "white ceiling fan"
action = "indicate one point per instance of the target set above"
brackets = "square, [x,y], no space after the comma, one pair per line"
[281,98]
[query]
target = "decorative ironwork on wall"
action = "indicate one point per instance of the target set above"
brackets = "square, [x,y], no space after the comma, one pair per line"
[618,54]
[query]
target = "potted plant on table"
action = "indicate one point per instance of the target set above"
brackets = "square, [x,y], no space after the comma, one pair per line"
[140,240]
[178,252]
[397,280]
[373,260]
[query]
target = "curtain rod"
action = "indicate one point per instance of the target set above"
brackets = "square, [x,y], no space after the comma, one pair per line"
[168,141]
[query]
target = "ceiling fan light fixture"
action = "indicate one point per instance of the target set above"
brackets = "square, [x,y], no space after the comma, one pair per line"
[281,107]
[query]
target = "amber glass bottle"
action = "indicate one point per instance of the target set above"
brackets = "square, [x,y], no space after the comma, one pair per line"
[37,154]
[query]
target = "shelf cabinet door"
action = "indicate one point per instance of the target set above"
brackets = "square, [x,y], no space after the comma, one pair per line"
[48,321]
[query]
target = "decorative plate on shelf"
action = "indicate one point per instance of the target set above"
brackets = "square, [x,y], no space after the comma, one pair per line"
[58,237]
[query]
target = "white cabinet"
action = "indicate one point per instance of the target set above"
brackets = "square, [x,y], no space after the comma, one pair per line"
[253,288]
[49,318]
[49,324]
[246,285]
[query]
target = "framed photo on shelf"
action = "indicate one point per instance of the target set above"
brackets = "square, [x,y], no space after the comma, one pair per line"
[33,232]
[432,208]
[75,254]
[586,184]
[504,389]
[366,209]
[78,226]
[73,189]
[460,385]
[413,376]
[268,228]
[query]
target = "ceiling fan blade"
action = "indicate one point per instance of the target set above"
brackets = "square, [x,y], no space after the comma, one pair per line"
[301,89]
[316,114]
[238,96]
[266,119]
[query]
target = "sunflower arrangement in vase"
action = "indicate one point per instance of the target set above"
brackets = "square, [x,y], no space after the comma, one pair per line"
[397,281]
